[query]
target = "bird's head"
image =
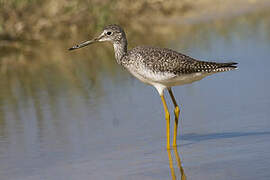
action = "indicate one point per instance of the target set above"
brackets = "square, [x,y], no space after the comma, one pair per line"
[112,33]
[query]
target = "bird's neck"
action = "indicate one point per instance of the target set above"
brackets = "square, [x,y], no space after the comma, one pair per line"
[120,49]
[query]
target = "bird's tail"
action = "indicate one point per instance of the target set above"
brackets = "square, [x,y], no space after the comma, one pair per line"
[226,66]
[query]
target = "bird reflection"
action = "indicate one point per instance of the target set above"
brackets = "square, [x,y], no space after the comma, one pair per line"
[179,165]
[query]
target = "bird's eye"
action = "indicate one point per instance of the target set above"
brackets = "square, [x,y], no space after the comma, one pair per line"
[109,33]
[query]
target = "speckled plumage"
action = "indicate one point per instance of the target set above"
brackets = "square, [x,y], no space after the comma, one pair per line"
[160,67]
[169,61]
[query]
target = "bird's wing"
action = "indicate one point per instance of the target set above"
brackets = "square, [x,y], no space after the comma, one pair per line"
[167,60]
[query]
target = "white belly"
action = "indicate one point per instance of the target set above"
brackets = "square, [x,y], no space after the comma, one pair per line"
[166,79]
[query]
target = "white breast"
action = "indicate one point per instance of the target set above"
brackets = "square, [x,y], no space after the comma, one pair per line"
[165,78]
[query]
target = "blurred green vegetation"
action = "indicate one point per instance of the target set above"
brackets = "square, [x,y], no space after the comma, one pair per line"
[42,19]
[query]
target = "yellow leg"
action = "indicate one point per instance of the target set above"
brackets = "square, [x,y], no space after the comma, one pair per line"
[171,164]
[183,176]
[167,117]
[176,115]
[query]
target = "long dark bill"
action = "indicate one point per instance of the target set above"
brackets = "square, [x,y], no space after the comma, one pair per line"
[83,44]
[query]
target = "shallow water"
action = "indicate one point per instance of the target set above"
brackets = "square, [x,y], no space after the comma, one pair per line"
[98,122]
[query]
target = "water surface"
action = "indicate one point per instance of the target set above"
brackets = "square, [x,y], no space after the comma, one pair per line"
[80,116]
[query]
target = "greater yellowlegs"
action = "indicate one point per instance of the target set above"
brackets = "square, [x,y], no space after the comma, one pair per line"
[159,67]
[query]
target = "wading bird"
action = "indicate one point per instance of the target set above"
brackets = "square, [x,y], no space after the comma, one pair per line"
[160,67]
